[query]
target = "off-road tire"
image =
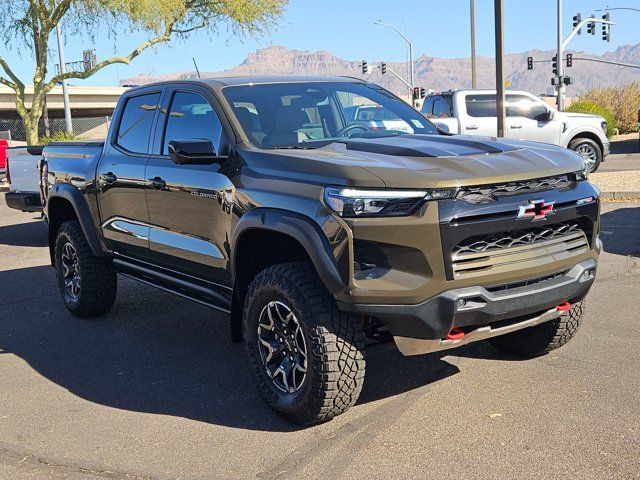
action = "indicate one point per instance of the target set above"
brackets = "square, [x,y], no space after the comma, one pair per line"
[543,338]
[98,282]
[578,142]
[334,342]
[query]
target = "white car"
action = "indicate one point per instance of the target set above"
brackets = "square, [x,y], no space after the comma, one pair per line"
[23,178]
[374,117]
[473,112]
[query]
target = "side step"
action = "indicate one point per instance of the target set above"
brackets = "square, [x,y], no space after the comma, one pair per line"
[178,286]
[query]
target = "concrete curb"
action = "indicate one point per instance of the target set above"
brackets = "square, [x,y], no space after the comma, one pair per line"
[620,195]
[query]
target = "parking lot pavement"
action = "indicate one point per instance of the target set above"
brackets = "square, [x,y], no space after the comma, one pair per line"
[155,390]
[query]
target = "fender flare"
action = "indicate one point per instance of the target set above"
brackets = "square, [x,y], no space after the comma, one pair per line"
[301,228]
[72,195]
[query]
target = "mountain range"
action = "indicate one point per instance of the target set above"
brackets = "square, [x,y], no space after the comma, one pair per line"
[432,72]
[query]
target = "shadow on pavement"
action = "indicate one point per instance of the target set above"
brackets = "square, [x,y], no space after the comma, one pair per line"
[32,234]
[157,353]
[620,231]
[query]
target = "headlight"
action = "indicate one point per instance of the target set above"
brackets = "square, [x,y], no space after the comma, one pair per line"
[351,202]
[603,125]
[582,174]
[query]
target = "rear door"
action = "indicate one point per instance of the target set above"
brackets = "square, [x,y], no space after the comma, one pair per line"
[190,205]
[481,115]
[120,175]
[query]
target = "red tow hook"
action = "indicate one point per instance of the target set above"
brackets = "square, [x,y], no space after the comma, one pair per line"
[455,334]
[564,307]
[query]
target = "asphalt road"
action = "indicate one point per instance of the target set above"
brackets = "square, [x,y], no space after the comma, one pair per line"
[155,390]
[625,155]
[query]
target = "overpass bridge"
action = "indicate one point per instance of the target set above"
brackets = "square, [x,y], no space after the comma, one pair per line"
[91,109]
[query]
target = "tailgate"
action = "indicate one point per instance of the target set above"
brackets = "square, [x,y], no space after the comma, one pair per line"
[23,168]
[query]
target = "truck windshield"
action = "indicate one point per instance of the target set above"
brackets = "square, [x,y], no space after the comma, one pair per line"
[313,114]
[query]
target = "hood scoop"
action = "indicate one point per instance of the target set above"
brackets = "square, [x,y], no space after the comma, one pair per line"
[429,146]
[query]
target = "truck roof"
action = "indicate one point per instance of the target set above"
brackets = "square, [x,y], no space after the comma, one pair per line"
[220,82]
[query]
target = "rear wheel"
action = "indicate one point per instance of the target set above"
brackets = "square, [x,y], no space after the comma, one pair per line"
[543,338]
[87,283]
[306,355]
[589,150]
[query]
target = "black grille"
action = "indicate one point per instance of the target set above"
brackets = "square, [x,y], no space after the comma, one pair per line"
[525,283]
[489,193]
[514,239]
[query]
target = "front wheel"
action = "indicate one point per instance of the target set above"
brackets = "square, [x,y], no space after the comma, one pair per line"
[589,150]
[543,338]
[305,354]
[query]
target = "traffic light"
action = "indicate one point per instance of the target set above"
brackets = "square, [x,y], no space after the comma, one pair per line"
[365,67]
[383,68]
[554,64]
[569,60]
[577,18]
[567,80]
[591,27]
[606,28]
[529,63]
[423,92]
[416,93]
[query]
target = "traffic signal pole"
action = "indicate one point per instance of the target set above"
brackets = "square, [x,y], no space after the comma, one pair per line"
[499,27]
[561,87]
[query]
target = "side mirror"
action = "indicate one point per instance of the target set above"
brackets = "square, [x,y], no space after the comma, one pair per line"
[546,116]
[195,151]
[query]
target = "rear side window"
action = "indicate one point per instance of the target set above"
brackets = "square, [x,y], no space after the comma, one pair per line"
[438,106]
[481,105]
[135,126]
[192,117]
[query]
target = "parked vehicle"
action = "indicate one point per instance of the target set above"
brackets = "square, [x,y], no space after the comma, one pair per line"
[473,112]
[23,178]
[216,191]
[374,117]
[4,146]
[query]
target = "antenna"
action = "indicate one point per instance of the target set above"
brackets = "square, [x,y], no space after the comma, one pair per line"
[196,65]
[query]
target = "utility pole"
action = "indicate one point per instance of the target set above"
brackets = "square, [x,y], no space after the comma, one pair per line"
[472,15]
[499,27]
[561,88]
[65,93]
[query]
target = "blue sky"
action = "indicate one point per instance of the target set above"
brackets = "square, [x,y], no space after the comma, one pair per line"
[345,28]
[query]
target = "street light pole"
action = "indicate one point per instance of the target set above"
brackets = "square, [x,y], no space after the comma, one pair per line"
[472,16]
[499,26]
[409,45]
[559,61]
[65,93]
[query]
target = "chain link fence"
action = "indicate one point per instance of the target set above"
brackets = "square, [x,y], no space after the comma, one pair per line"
[85,127]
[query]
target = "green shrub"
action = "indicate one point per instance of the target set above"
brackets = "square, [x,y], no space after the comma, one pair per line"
[59,136]
[595,109]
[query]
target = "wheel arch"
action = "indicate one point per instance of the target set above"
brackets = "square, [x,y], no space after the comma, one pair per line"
[265,237]
[64,203]
[591,136]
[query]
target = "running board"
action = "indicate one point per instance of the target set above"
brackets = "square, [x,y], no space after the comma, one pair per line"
[180,287]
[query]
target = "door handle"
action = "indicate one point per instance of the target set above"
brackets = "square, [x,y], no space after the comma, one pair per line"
[156,182]
[516,126]
[107,179]
[472,127]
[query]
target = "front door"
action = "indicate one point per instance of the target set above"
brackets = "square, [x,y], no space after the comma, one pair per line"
[189,205]
[121,176]
[527,119]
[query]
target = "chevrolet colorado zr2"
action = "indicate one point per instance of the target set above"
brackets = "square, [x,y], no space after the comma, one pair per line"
[261,198]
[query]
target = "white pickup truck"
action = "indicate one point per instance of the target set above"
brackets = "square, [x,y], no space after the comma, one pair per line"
[473,112]
[23,178]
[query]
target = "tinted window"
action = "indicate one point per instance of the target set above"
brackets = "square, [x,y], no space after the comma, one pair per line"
[481,105]
[135,126]
[192,117]
[523,106]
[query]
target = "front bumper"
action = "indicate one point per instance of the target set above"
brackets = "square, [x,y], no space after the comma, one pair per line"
[479,306]
[606,148]
[24,201]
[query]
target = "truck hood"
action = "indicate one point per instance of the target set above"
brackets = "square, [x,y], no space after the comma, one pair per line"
[422,161]
[579,115]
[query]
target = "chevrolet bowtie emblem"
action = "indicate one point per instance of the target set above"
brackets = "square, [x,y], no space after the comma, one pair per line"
[536,210]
